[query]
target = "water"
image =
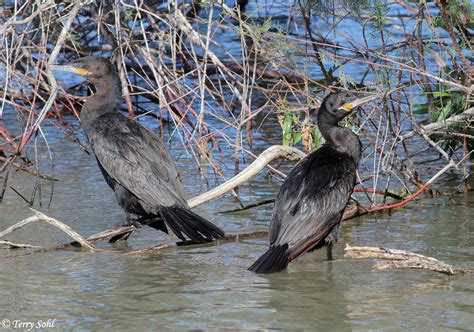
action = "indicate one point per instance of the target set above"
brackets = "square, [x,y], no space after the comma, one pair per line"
[208,287]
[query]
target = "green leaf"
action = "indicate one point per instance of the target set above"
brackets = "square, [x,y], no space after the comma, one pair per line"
[438,94]
[296,137]
[445,112]
[420,108]
[287,129]
[318,138]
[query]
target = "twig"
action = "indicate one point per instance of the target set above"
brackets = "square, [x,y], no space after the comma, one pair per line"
[443,124]
[250,206]
[27,170]
[54,85]
[412,197]
[42,7]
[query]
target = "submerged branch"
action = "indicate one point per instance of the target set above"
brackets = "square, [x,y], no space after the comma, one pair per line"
[12,245]
[227,238]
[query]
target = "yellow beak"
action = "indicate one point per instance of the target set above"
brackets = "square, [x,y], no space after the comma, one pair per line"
[353,104]
[71,69]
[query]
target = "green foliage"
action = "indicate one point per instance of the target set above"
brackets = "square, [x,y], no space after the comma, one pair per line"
[258,30]
[128,13]
[287,127]
[461,11]
[376,10]
[295,131]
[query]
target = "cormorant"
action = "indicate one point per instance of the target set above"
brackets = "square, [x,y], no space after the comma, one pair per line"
[311,201]
[133,160]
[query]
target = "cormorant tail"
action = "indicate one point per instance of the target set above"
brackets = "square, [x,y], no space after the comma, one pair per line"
[274,260]
[159,225]
[184,222]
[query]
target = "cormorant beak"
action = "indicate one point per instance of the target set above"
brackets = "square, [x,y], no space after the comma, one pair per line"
[76,69]
[355,103]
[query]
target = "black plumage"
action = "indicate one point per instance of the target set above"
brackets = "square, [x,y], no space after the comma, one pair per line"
[133,160]
[311,201]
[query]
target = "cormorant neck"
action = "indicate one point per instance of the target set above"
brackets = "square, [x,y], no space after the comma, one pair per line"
[108,93]
[341,139]
[107,98]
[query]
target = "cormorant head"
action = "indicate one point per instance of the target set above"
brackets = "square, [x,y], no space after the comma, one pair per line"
[333,108]
[93,68]
[334,104]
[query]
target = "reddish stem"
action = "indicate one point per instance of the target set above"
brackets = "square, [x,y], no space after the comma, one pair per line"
[393,206]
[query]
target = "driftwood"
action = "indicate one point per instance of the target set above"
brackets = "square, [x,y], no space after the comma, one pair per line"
[352,210]
[401,259]
[389,258]
[262,161]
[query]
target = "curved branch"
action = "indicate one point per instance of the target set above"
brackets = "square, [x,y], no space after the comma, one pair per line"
[270,154]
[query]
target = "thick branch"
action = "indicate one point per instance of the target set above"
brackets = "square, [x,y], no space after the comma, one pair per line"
[273,152]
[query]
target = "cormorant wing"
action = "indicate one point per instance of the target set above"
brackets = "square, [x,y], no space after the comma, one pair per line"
[137,159]
[312,198]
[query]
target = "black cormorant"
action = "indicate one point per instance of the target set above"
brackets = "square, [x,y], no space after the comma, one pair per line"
[311,201]
[133,160]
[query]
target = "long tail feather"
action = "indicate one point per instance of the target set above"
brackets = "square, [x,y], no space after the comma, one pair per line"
[274,260]
[185,223]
